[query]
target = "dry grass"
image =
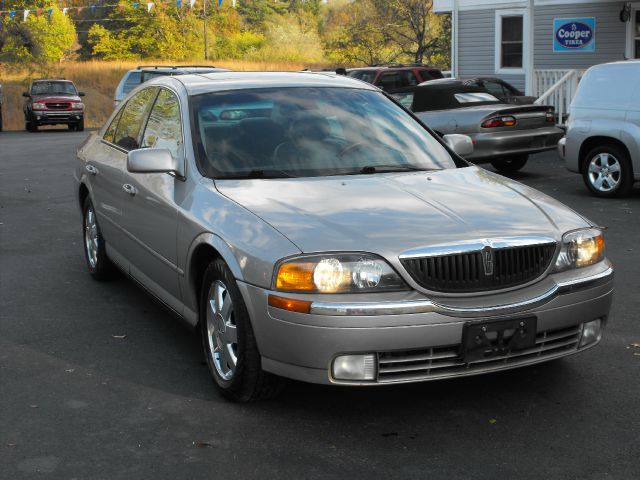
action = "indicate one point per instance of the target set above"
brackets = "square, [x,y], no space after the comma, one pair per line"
[98,80]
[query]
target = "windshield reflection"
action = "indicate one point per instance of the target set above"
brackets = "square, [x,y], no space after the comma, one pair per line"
[304,131]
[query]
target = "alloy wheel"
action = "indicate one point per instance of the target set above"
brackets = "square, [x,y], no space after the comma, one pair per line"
[604,172]
[91,240]
[221,331]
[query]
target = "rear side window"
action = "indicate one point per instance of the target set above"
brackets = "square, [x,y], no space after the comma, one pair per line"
[109,135]
[164,128]
[132,81]
[364,75]
[430,74]
[134,113]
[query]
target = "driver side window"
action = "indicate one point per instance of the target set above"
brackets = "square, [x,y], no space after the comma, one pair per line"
[164,128]
[127,134]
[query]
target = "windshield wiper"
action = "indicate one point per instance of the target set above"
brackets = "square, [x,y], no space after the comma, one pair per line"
[266,173]
[393,168]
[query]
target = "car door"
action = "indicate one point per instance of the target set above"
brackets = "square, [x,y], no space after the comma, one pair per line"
[111,164]
[150,210]
[105,170]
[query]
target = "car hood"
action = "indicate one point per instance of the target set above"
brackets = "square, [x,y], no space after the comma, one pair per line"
[56,98]
[390,213]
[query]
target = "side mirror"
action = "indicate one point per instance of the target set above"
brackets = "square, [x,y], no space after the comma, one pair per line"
[26,94]
[460,144]
[153,160]
[81,94]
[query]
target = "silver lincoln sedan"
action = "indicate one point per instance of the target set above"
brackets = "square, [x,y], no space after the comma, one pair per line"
[312,228]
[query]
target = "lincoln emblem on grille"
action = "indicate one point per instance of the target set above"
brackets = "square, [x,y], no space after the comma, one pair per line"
[487,260]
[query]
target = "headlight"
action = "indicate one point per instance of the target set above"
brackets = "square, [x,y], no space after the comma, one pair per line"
[39,106]
[341,273]
[580,248]
[77,106]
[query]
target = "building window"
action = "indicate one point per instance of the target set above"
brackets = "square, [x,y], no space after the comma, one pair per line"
[511,42]
[636,35]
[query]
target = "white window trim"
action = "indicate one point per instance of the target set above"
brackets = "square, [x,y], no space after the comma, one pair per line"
[629,53]
[519,12]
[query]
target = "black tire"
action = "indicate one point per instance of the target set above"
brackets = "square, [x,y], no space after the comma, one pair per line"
[248,382]
[0,119]
[30,126]
[80,125]
[623,176]
[511,164]
[72,127]
[101,267]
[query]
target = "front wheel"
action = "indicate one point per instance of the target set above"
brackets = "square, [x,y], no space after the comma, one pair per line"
[607,172]
[228,341]
[511,164]
[100,267]
[80,125]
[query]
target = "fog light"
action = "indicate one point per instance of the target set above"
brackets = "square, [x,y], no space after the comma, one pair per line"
[355,367]
[591,332]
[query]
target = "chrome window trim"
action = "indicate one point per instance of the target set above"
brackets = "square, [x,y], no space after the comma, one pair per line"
[429,306]
[474,246]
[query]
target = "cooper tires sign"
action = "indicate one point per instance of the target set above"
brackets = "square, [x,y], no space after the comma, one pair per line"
[574,35]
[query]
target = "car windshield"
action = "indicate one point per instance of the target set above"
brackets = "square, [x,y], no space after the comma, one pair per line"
[53,88]
[304,131]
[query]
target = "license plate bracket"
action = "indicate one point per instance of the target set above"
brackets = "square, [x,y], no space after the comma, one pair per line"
[497,338]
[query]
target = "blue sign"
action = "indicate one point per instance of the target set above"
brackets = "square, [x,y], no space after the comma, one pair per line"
[574,34]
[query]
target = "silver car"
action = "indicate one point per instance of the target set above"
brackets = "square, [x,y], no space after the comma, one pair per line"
[503,134]
[311,228]
[602,142]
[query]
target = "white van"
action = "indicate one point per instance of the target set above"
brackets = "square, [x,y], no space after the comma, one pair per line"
[602,142]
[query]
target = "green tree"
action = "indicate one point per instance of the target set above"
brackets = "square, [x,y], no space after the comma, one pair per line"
[55,34]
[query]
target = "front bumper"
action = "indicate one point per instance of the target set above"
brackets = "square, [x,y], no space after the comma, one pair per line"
[494,145]
[48,117]
[421,335]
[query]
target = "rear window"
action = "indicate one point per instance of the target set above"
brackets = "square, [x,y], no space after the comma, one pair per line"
[611,87]
[446,97]
[474,97]
[132,81]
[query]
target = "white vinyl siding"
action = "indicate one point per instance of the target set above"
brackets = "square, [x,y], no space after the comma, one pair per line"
[477,49]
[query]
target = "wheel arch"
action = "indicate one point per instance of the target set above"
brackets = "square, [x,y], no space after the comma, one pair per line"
[83,193]
[205,249]
[595,141]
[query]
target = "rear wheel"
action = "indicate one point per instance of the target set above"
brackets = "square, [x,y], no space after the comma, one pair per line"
[228,341]
[607,171]
[510,164]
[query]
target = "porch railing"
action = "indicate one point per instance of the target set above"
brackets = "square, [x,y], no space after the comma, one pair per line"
[556,88]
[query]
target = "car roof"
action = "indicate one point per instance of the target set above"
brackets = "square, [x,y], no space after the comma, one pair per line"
[214,82]
[392,67]
[51,80]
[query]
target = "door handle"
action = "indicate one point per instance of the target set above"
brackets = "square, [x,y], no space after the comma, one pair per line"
[91,169]
[130,189]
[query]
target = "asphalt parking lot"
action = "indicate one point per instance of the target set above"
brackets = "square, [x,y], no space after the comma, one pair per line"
[97,381]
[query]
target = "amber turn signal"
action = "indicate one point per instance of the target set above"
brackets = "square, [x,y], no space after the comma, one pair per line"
[295,276]
[293,305]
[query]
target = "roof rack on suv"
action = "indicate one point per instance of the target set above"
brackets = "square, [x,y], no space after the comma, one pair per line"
[173,67]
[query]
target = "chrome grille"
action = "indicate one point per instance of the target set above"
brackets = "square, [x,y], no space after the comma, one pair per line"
[428,363]
[58,105]
[466,272]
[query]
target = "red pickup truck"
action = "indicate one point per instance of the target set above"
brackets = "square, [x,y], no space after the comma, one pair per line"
[53,102]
